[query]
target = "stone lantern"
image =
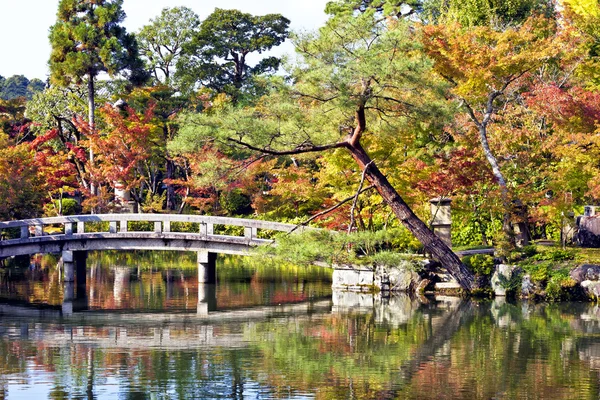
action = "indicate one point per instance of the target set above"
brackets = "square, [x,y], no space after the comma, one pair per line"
[441,219]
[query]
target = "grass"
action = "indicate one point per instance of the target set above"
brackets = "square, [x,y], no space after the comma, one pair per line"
[465,248]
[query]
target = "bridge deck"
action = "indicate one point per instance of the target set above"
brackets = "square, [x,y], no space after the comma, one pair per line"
[170,232]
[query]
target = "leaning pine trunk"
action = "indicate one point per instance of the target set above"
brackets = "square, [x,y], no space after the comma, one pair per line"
[433,244]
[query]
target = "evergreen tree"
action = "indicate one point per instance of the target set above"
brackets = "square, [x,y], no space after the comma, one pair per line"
[217,57]
[19,86]
[87,40]
[162,40]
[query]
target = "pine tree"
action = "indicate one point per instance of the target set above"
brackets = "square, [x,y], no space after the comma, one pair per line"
[87,40]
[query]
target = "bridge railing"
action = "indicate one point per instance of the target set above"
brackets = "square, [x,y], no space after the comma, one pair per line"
[118,223]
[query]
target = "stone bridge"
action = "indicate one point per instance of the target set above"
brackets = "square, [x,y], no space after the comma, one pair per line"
[74,236]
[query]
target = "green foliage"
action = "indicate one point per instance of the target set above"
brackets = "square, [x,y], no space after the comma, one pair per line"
[140,226]
[68,207]
[513,284]
[217,55]
[154,202]
[228,230]
[235,202]
[393,259]
[100,226]
[364,247]
[56,107]
[306,248]
[187,227]
[88,39]
[480,264]
[496,13]
[19,86]
[370,242]
[540,272]
[529,251]
[559,286]
[555,255]
[162,40]
[472,230]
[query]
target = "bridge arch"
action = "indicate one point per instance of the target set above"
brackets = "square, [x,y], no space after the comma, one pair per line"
[74,236]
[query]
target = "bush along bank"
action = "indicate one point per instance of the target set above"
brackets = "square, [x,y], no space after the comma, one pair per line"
[541,274]
[384,261]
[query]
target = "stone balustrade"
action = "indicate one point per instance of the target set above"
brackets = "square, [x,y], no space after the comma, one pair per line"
[119,223]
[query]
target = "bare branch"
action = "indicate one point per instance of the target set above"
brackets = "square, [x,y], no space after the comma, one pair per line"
[471,113]
[321,99]
[330,209]
[362,182]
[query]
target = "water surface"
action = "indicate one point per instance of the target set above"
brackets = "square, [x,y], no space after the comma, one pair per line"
[153,333]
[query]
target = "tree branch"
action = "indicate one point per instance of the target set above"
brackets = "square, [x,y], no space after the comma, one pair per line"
[330,209]
[297,150]
[362,182]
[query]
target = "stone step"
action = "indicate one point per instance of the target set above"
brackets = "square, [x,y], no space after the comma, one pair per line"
[447,285]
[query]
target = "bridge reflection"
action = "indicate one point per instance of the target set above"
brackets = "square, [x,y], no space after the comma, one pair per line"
[120,289]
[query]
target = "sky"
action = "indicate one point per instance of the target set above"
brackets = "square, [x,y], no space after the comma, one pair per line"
[24,25]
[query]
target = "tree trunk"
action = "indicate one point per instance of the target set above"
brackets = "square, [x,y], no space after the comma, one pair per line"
[92,124]
[169,172]
[433,244]
[170,167]
[507,227]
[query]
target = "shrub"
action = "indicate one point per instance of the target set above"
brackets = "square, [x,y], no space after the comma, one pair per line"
[480,264]
[69,207]
[559,286]
[236,203]
[391,259]
[539,272]
[554,255]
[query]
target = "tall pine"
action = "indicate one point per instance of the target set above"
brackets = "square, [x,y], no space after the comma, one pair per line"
[87,39]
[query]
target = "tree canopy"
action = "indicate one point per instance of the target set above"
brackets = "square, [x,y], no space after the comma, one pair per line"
[19,86]
[163,40]
[218,55]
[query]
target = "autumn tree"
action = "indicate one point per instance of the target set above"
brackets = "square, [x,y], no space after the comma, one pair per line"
[20,186]
[57,166]
[217,56]
[488,69]
[13,121]
[584,15]
[128,155]
[362,78]
[494,13]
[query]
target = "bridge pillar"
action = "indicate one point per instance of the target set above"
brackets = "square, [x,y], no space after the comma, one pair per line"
[207,267]
[74,299]
[207,298]
[74,264]
[68,297]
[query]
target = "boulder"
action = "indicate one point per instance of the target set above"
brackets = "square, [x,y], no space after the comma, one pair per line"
[351,278]
[527,287]
[503,278]
[586,272]
[401,278]
[591,289]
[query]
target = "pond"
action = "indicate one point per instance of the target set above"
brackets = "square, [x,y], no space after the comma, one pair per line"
[142,331]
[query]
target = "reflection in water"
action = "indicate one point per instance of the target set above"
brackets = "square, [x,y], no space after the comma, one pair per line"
[436,350]
[258,345]
[141,284]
